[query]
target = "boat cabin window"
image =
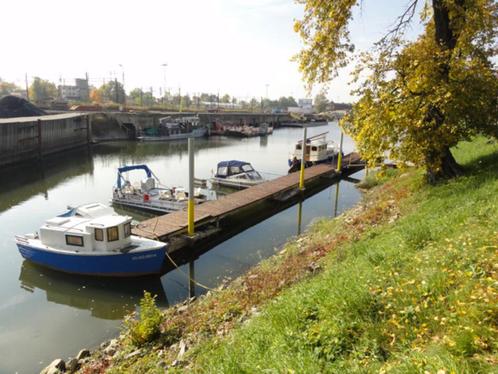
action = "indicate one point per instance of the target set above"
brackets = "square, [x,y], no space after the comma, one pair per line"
[222,170]
[234,170]
[99,235]
[74,240]
[112,234]
[127,229]
[313,148]
[247,167]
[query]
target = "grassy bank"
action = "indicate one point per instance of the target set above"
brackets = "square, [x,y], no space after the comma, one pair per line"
[405,282]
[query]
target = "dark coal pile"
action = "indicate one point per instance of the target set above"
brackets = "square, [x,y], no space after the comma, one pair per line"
[13,106]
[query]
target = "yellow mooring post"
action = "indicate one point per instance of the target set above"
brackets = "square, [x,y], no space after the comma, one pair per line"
[339,158]
[190,206]
[303,161]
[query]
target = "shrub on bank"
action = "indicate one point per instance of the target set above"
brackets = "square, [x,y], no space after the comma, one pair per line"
[147,326]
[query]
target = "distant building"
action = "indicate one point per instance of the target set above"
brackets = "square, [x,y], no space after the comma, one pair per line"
[305,106]
[79,92]
[305,103]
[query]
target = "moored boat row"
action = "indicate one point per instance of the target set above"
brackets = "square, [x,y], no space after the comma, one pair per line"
[93,240]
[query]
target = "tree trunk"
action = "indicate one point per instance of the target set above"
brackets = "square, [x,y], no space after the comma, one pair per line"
[442,165]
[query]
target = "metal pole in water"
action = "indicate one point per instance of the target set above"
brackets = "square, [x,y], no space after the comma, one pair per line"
[336,198]
[191,276]
[301,174]
[299,216]
[190,206]
[339,159]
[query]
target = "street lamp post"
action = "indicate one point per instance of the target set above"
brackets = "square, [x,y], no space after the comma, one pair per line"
[123,82]
[266,85]
[164,81]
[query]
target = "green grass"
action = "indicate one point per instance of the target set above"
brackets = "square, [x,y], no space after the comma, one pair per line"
[412,296]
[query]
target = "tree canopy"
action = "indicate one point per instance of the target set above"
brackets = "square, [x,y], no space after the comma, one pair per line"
[421,97]
[112,91]
[7,88]
[42,90]
[321,103]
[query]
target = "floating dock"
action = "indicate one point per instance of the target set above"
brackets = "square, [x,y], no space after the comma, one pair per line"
[239,210]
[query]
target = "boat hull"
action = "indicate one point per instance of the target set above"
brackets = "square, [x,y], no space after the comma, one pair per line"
[129,264]
[234,183]
[159,138]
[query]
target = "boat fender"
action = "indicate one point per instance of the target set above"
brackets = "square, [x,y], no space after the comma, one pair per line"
[146,197]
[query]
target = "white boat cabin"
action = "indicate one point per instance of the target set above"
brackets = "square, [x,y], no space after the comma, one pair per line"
[316,150]
[90,228]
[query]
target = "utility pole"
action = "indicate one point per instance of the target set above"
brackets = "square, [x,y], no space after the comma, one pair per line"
[164,80]
[180,99]
[116,90]
[123,80]
[27,88]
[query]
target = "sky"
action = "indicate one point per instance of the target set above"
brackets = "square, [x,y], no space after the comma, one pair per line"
[240,47]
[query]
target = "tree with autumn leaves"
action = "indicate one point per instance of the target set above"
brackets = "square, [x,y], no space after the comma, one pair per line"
[417,99]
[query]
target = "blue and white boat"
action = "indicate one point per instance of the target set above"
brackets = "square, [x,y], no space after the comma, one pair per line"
[92,240]
[236,174]
[149,194]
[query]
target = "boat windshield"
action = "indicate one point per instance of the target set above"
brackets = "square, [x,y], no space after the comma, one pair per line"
[247,167]
[254,175]
[222,171]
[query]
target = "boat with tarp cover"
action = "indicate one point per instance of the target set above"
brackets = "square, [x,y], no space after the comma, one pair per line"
[92,240]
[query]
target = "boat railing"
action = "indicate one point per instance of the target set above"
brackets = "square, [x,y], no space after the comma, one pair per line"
[22,238]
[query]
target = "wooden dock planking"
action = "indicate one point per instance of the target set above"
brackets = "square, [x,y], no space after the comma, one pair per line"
[164,226]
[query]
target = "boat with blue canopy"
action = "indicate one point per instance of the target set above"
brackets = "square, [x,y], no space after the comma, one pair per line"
[149,194]
[236,174]
[92,240]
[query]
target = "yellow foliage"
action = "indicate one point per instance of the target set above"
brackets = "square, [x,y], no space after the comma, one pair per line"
[419,98]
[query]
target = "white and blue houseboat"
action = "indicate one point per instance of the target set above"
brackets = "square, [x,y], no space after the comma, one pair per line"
[92,240]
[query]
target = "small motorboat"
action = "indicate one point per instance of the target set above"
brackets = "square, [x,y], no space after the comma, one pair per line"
[148,194]
[236,174]
[174,129]
[92,240]
[318,150]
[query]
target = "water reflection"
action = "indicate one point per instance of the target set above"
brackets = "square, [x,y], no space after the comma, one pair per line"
[299,216]
[24,181]
[98,295]
[336,198]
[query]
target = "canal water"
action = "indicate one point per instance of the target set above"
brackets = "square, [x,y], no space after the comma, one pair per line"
[46,314]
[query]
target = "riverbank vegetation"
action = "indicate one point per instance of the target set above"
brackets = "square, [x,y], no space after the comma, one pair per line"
[405,282]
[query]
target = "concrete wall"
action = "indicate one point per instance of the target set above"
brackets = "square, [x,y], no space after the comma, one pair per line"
[33,137]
